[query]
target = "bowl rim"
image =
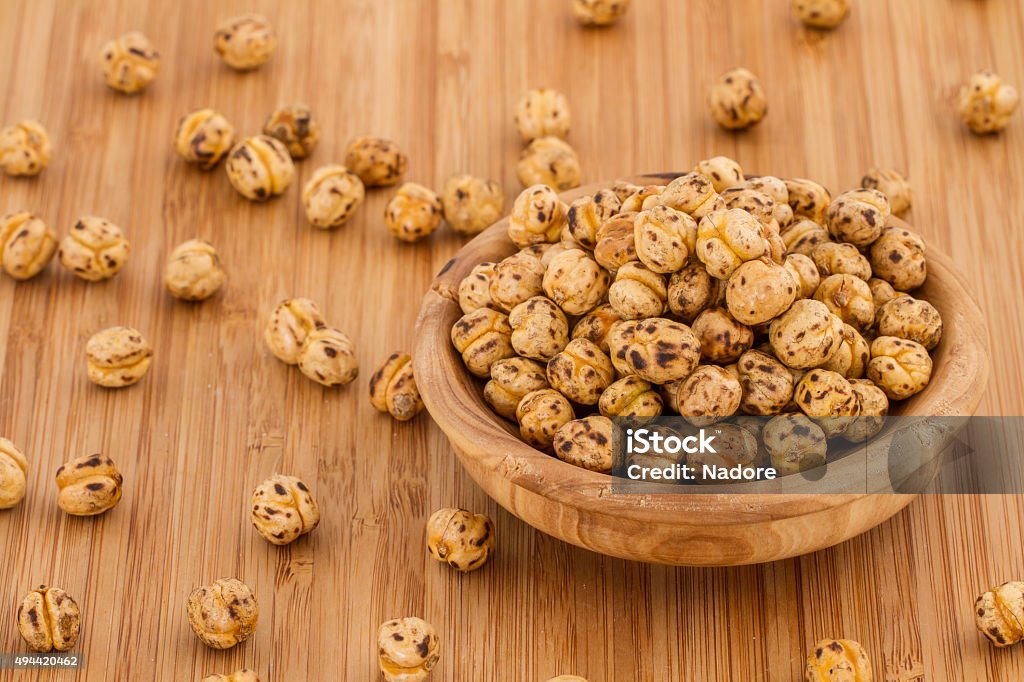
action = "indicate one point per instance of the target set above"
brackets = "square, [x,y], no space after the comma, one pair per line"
[459,410]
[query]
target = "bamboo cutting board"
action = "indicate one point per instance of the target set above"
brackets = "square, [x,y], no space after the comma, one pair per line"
[217,414]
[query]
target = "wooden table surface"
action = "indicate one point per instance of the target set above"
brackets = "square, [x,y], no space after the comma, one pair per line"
[217,413]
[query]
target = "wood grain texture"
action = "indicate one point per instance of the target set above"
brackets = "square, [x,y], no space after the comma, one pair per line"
[217,413]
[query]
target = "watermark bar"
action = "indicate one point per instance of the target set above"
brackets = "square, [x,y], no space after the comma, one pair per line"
[36,661]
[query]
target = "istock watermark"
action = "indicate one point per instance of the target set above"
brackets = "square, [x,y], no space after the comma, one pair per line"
[698,448]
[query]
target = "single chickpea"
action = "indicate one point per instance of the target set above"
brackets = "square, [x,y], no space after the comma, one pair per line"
[483,337]
[223,614]
[874,407]
[710,394]
[894,186]
[637,292]
[804,272]
[49,620]
[822,14]
[511,379]
[728,238]
[130,62]
[539,328]
[848,297]
[260,167]
[540,414]
[581,372]
[413,213]
[517,278]
[630,396]
[549,161]
[88,485]
[648,195]
[329,358]
[899,367]
[906,317]
[25,148]
[283,508]
[27,244]
[117,357]
[803,235]
[722,338]
[193,271]
[691,291]
[408,648]
[204,137]
[759,291]
[288,327]
[807,335]
[460,538]
[588,213]
[851,360]
[836,259]
[472,204]
[538,216]
[586,443]
[599,12]
[881,293]
[245,42]
[754,202]
[13,467]
[95,249]
[898,258]
[575,282]
[794,444]
[377,161]
[776,189]
[616,243]
[656,349]
[664,238]
[858,216]
[986,103]
[737,100]
[295,127]
[827,398]
[767,384]
[722,171]
[542,112]
[393,388]
[999,614]
[331,196]
[808,199]
[838,660]
[595,326]
[475,288]
[693,194]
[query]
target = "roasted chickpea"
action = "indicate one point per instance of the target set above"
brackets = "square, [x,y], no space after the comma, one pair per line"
[999,614]
[827,398]
[986,103]
[874,407]
[804,272]
[538,216]
[586,443]
[693,194]
[408,648]
[776,189]
[881,292]
[193,272]
[808,199]
[838,660]
[630,396]
[722,338]
[331,196]
[581,372]
[575,281]
[754,202]
[49,620]
[204,137]
[759,291]
[475,288]
[767,384]
[25,148]
[95,249]
[27,244]
[734,447]
[794,444]
[393,388]
[906,317]
[260,167]
[130,62]
[517,278]
[803,235]
[549,161]
[483,337]
[656,349]
[728,238]
[540,414]
[472,204]
[588,213]
[377,161]
[710,394]
[637,292]
[691,291]
[599,13]
[13,466]
[643,198]
[664,238]
[737,100]
[223,614]
[899,367]
[329,358]
[807,335]
[295,127]
[722,171]
[288,327]
[541,113]
[245,42]
[595,326]
[898,258]
[539,328]
[894,186]
[460,538]
[858,216]
[851,360]
[413,213]
[823,14]
[511,379]
[837,259]
[616,243]
[88,485]
[283,509]
[848,297]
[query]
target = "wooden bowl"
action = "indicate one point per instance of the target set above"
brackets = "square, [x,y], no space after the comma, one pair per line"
[713,529]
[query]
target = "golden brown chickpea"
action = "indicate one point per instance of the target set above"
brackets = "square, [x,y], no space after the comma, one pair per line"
[599,13]
[49,620]
[329,358]
[595,326]
[288,327]
[413,213]
[378,162]
[511,379]
[539,328]
[460,538]
[803,235]
[874,407]
[807,335]
[728,238]
[804,272]
[260,167]
[25,148]
[899,367]
[393,388]
[999,614]
[986,103]
[204,137]
[223,614]
[575,281]
[754,202]
[89,485]
[794,444]
[295,126]
[540,414]
[808,199]
[283,509]
[130,62]
[851,360]
[691,291]
[722,171]
[637,292]
[722,338]
[245,42]
[836,259]
[407,649]
[760,290]
[549,161]
[643,198]
[586,443]
[472,204]
[94,249]
[898,258]
[848,297]
[827,398]
[777,190]
[475,288]
[331,196]
[27,244]
[616,245]
[693,194]
[906,317]
[656,349]
[858,216]
[13,466]
[517,278]
[538,216]
[193,271]
[737,100]
[630,396]
[581,372]
[708,395]
[767,384]
[823,14]
[893,185]
[588,213]
[838,660]
[664,238]
[881,292]
[542,112]
[483,337]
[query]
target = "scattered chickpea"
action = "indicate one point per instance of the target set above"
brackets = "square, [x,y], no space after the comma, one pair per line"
[581,372]
[760,290]
[88,485]
[204,137]
[986,103]
[245,42]
[25,148]
[899,367]
[549,161]
[223,614]
[794,444]
[260,167]
[657,350]
[588,213]
[722,171]
[822,14]
[95,249]
[540,414]
[27,244]
[393,388]
[328,357]
[586,443]
[130,62]
[49,620]
[511,379]
[517,278]
[460,538]
[737,100]
[413,213]
[858,216]
[117,357]
[894,186]
[630,396]
[283,508]
[999,614]
[540,329]
[288,327]
[408,648]
[193,272]
[599,12]
[538,217]
[483,337]
[13,468]
[906,317]
[331,196]
[295,127]
[838,660]
[542,112]
[898,258]
[472,204]
[378,162]
[637,292]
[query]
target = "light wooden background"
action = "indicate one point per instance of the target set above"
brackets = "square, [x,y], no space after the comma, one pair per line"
[217,413]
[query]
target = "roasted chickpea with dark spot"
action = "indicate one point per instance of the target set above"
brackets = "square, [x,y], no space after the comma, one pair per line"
[575,281]
[511,379]
[767,383]
[581,372]
[849,298]
[656,349]
[906,317]
[517,278]
[837,259]
[710,394]
[899,367]
[460,538]
[283,508]
[759,291]
[691,291]
[722,338]
[858,216]
[378,162]
[595,326]
[616,243]
[483,336]
[898,258]
[586,443]
[828,398]
[630,396]
[539,328]
[540,414]
[722,171]
[794,444]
